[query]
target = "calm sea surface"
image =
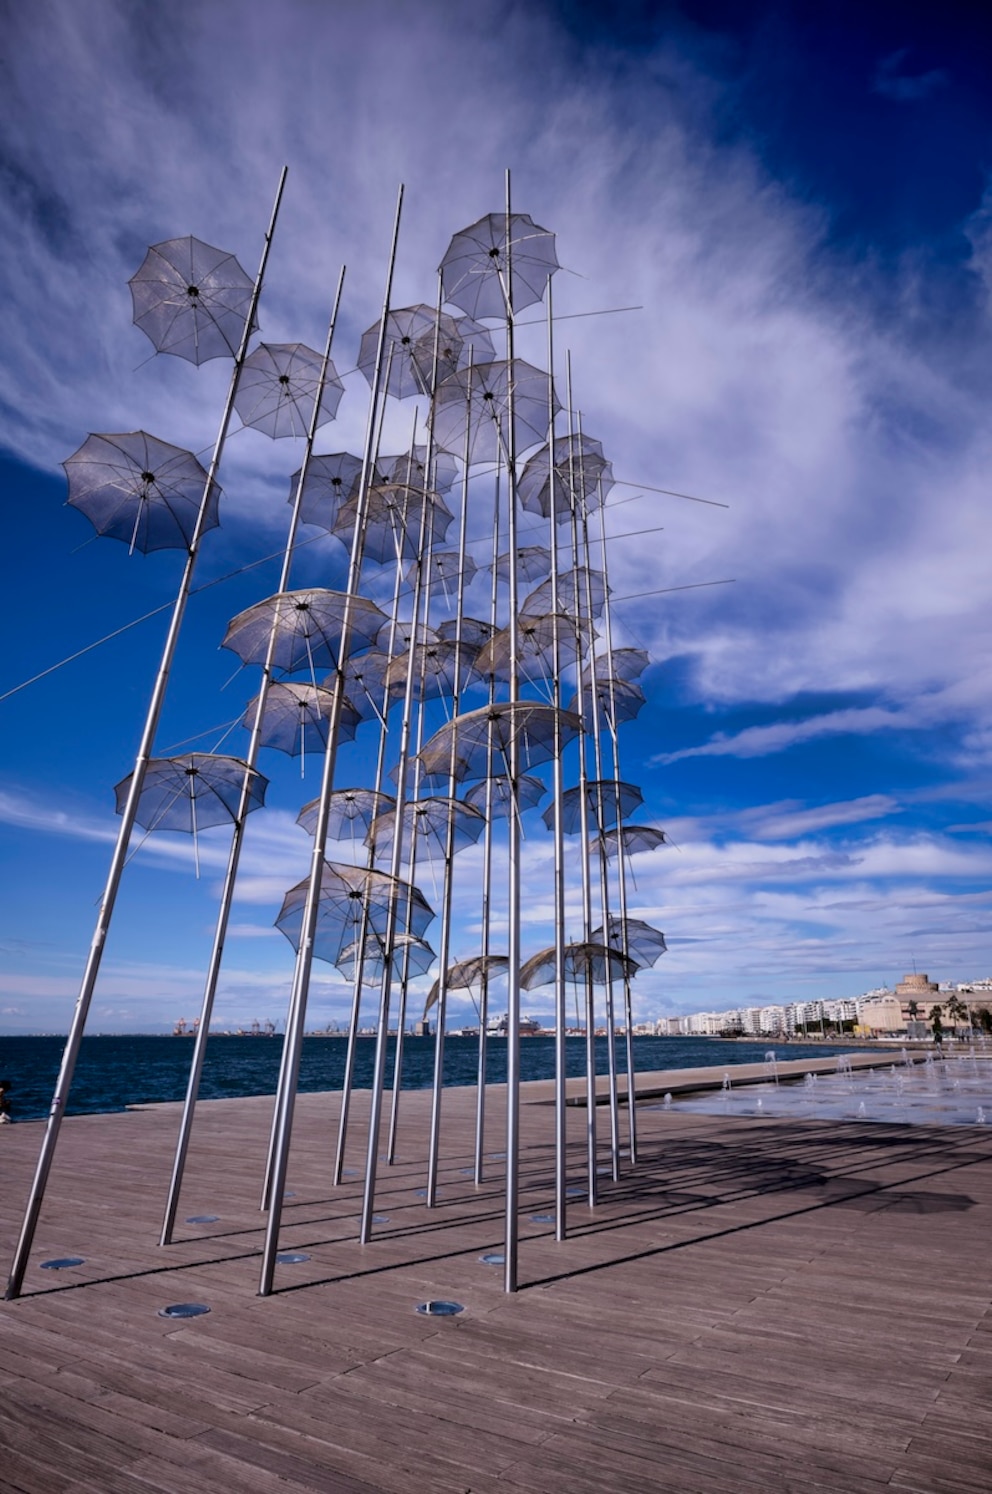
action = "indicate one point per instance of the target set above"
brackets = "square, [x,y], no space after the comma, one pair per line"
[114,1072]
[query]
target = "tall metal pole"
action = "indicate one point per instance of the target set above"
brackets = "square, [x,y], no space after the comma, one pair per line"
[304,960]
[237,840]
[92,969]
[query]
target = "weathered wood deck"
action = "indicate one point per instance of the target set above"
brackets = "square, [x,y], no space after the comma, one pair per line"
[761,1306]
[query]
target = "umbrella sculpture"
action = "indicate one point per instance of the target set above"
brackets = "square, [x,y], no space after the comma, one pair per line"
[415,955]
[365,681]
[530,791]
[279,386]
[349,897]
[472,741]
[619,664]
[582,477]
[440,669]
[477,342]
[470,630]
[191,299]
[330,481]
[430,821]
[573,592]
[533,642]
[395,517]
[601,798]
[414,334]
[352,811]
[638,940]
[635,838]
[411,467]
[533,564]
[464,974]
[616,701]
[472,408]
[474,268]
[192,793]
[585,960]
[447,569]
[138,489]
[308,627]
[296,717]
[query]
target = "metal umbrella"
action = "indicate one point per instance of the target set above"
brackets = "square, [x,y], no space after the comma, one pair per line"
[624,664]
[533,563]
[583,961]
[477,342]
[411,466]
[191,299]
[638,940]
[352,811]
[472,740]
[635,838]
[365,681]
[572,594]
[296,717]
[473,270]
[465,974]
[601,798]
[429,821]
[279,386]
[530,791]
[349,895]
[447,568]
[415,955]
[534,643]
[616,701]
[193,792]
[308,627]
[393,520]
[472,409]
[413,335]
[470,630]
[330,481]
[582,476]
[440,669]
[135,488]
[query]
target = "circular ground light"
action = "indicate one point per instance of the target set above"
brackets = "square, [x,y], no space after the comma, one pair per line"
[380,1218]
[542,1218]
[292,1258]
[493,1258]
[203,1219]
[184,1310]
[62,1263]
[421,1192]
[440,1309]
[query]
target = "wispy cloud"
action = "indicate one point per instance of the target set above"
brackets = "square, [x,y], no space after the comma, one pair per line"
[906,88]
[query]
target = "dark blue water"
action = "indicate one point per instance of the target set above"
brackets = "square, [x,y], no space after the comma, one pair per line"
[113,1072]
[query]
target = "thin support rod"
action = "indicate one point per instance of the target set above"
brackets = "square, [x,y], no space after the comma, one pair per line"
[129,814]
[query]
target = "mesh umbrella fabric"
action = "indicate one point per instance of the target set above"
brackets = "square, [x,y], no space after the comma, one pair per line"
[535,646]
[411,466]
[133,487]
[191,299]
[471,739]
[278,388]
[296,717]
[412,333]
[477,342]
[622,664]
[530,791]
[581,961]
[307,626]
[473,269]
[642,943]
[406,633]
[365,681]
[350,895]
[582,474]
[617,702]
[635,838]
[465,974]
[438,670]
[470,630]
[330,482]
[573,594]
[393,518]
[413,955]
[601,799]
[428,820]
[476,401]
[444,569]
[351,811]
[193,792]
[533,563]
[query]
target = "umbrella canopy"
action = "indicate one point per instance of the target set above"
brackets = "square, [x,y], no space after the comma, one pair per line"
[307,627]
[278,388]
[135,488]
[394,514]
[351,812]
[475,739]
[413,335]
[411,466]
[191,299]
[635,838]
[351,896]
[601,799]
[296,717]
[533,563]
[365,681]
[476,401]
[439,669]
[474,268]
[641,943]
[535,647]
[573,593]
[413,955]
[193,792]
[465,974]
[530,791]
[470,630]
[429,821]
[444,569]
[477,342]
[621,664]
[581,961]
[582,476]
[330,482]
[617,701]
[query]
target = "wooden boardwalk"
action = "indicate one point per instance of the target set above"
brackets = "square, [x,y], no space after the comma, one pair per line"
[762,1305]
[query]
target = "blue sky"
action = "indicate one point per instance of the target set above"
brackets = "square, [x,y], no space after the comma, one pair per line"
[797,195]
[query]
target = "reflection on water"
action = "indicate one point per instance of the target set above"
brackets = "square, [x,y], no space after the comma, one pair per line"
[943,1092]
